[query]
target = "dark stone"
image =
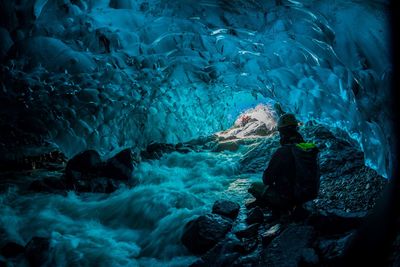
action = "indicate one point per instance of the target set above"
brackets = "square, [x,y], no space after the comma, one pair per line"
[247,245]
[37,251]
[54,160]
[48,185]
[222,254]
[336,221]
[248,261]
[226,208]
[333,249]
[252,203]
[12,250]
[156,150]
[270,234]
[249,232]
[299,214]
[83,165]
[120,167]
[96,185]
[181,148]
[255,215]
[286,249]
[203,233]
[309,258]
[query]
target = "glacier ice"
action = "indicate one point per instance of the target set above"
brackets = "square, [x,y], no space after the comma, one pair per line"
[111,74]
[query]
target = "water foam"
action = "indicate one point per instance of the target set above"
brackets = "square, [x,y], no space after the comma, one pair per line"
[132,226]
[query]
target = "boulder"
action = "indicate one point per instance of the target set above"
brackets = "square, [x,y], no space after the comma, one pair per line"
[48,185]
[270,234]
[222,254]
[156,150]
[255,215]
[96,185]
[232,145]
[226,208]
[12,250]
[201,234]
[120,166]
[336,221]
[249,232]
[83,165]
[250,260]
[37,251]
[309,258]
[333,249]
[286,250]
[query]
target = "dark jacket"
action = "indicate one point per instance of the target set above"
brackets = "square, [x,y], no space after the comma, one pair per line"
[282,175]
[281,172]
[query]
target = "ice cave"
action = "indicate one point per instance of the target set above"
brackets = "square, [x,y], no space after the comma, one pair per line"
[132,130]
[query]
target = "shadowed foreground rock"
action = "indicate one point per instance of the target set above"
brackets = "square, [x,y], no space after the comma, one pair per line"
[203,233]
[37,251]
[286,250]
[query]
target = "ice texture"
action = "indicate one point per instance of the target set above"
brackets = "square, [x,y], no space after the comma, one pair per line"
[116,73]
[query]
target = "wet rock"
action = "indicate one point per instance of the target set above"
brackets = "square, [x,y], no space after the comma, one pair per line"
[37,251]
[120,166]
[12,250]
[222,254]
[270,234]
[252,203]
[87,173]
[247,245]
[183,148]
[54,160]
[96,185]
[203,233]
[226,145]
[83,166]
[156,150]
[286,249]
[255,215]
[336,221]
[226,208]
[309,258]
[48,185]
[333,249]
[251,260]
[249,232]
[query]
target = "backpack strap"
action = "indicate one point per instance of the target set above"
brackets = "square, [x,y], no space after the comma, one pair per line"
[306,146]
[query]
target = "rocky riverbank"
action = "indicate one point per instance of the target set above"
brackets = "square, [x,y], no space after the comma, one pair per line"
[233,233]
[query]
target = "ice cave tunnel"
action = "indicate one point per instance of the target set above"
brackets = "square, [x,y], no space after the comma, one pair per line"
[126,124]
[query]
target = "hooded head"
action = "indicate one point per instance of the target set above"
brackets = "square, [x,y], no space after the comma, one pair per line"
[287,127]
[287,120]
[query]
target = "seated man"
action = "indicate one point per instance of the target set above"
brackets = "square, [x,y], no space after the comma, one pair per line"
[292,175]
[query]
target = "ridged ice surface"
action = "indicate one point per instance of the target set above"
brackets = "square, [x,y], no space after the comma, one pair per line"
[111,74]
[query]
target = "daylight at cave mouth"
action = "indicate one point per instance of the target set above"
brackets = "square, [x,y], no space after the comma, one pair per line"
[198,133]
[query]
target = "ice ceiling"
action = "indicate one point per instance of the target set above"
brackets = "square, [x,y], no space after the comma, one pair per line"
[107,74]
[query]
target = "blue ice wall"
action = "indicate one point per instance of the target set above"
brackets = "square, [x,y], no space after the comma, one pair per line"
[126,72]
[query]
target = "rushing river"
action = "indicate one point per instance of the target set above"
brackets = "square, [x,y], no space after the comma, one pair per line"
[138,226]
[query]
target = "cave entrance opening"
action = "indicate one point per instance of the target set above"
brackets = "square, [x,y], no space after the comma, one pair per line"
[259,121]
